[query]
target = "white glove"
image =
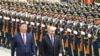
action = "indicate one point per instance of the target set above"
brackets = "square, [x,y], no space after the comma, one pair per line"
[82,33]
[75,32]
[89,35]
[60,54]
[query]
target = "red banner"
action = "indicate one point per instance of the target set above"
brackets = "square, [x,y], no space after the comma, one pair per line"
[88,1]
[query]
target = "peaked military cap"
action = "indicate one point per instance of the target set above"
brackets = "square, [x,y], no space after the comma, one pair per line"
[61,12]
[82,15]
[44,9]
[50,10]
[97,18]
[75,14]
[68,13]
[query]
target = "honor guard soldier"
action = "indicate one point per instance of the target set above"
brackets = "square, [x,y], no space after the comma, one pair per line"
[90,49]
[1,25]
[69,37]
[81,28]
[5,27]
[75,32]
[96,38]
[9,36]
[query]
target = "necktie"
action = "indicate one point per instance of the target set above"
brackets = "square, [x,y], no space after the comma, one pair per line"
[24,39]
[52,40]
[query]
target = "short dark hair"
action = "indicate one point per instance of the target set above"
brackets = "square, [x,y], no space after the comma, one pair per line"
[22,24]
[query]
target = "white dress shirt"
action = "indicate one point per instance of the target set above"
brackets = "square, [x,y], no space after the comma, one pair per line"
[50,36]
[23,36]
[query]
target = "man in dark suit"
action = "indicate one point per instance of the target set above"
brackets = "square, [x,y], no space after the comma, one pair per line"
[51,44]
[23,43]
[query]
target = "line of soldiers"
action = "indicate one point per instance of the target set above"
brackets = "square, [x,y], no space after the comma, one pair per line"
[78,25]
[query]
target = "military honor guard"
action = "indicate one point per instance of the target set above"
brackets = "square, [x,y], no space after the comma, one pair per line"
[77,25]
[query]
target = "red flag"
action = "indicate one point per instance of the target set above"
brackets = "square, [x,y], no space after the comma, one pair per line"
[88,1]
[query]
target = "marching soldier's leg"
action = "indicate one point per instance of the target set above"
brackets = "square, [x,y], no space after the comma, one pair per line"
[8,43]
[86,51]
[89,48]
[8,40]
[81,50]
[68,51]
[9,36]
[67,47]
[78,45]
[0,37]
[81,53]
[76,50]
[95,49]
[1,25]
[98,48]
[3,39]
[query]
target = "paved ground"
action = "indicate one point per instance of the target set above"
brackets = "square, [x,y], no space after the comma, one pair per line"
[4,51]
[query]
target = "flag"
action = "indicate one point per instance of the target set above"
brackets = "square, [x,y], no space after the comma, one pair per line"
[88,2]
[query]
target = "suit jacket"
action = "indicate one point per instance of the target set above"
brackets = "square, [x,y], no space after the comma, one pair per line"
[21,48]
[48,49]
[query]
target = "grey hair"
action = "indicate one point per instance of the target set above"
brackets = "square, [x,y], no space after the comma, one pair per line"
[51,27]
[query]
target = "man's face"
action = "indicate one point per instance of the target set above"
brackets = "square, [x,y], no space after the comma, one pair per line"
[96,22]
[51,32]
[91,20]
[23,28]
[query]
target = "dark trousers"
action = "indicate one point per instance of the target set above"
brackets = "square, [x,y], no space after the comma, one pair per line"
[0,37]
[68,51]
[8,44]
[96,53]
[0,40]
[81,53]
[4,39]
[9,37]
[95,47]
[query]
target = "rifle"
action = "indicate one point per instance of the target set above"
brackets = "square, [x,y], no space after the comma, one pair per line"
[16,28]
[75,32]
[4,24]
[12,26]
[35,40]
[63,46]
[82,46]
[31,29]
[67,44]
[6,27]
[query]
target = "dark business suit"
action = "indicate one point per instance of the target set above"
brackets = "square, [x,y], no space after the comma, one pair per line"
[48,49]
[21,48]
